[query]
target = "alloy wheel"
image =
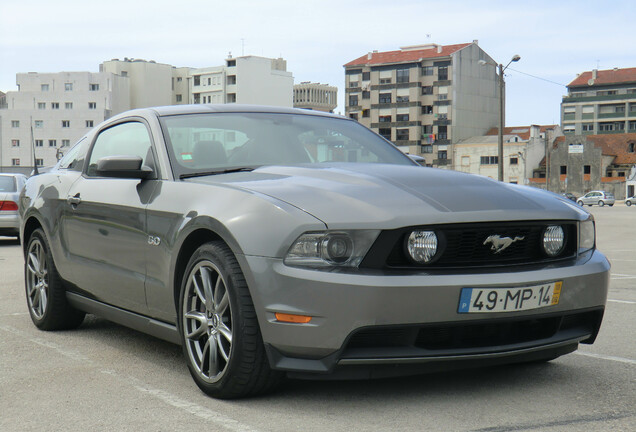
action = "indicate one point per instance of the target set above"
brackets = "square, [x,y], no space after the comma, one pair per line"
[37,279]
[207,321]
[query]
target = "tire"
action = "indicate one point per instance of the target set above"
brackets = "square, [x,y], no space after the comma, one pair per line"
[628,203]
[611,205]
[227,321]
[601,203]
[579,202]
[45,292]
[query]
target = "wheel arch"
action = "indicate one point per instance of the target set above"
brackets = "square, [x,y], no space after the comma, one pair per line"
[31,224]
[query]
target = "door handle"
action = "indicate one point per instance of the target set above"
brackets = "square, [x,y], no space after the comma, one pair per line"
[74,200]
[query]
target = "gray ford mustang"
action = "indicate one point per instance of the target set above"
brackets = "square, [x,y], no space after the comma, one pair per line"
[275,242]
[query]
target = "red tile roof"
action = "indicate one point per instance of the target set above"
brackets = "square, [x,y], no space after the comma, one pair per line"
[522,131]
[406,56]
[610,76]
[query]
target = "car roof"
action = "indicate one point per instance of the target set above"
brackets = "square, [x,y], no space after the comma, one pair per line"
[170,110]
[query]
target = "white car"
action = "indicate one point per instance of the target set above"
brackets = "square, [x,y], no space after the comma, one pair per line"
[599,198]
[630,201]
[10,187]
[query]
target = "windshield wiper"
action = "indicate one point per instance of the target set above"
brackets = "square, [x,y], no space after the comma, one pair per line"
[224,171]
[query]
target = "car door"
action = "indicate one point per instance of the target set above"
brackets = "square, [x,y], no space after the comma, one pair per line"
[106,232]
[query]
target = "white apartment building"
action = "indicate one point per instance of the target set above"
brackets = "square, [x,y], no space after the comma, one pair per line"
[315,96]
[244,80]
[150,82]
[59,108]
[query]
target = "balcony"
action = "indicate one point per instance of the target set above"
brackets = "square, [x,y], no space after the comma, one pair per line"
[442,122]
[439,83]
[569,116]
[612,115]
[569,99]
[440,162]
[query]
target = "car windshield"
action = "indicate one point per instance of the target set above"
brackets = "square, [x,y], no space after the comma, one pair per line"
[7,184]
[222,142]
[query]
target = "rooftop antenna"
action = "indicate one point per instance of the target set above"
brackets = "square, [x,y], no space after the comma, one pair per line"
[428,36]
[35,161]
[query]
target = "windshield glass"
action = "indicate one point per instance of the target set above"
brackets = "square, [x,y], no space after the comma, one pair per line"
[7,184]
[219,141]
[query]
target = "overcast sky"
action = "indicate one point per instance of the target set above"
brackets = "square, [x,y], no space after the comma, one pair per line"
[555,39]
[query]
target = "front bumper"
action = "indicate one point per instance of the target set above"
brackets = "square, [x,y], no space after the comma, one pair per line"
[345,305]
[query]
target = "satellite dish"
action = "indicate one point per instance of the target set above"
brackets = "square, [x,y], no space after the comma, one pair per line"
[590,81]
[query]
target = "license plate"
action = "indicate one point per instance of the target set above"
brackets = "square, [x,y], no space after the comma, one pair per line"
[480,300]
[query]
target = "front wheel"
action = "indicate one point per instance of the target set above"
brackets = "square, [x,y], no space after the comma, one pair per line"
[579,202]
[45,292]
[218,327]
[628,203]
[601,203]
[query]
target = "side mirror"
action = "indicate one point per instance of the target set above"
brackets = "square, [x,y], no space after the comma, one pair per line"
[122,167]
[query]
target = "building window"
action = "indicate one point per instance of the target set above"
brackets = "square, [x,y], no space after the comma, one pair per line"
[39,143]
[209,81]
[587,169]
[385,98]
[354,84]
[41,105]
[563,170]
[402,75]
[353,100]
[39,124]
[66,143]
[231,98]
[55,105]
[588,127]
[15,143]
[427,90]
[366,95]
[402,134]
[43,87]
[179,98]
[402,117]
[442,132]
[621,173]
[15,123]
[489,160]
[39,162]
[124,73]
[427,129]
[442,154]
[366,76]
[427,70]
[631,147]
[385,132]
[66,123]
[385,119]
[179,79]
[231,63]
[385,80]
[68,105]
[442,73]
[15,162]
[402,98]
[93,87]
[89,123]
[68,86]
[353,116]
[231,79]
[366,113]
[514,161]
[427,109]
[92,105]
[605,92]
[52,143]
[427,148]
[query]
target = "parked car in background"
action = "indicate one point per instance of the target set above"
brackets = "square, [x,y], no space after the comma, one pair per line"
[599,198]
[570,196]
[10,187]
[272,241]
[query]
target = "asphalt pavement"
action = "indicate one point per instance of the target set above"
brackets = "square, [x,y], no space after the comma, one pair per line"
[107,377]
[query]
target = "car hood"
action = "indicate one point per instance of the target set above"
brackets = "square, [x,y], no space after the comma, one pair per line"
[383,196]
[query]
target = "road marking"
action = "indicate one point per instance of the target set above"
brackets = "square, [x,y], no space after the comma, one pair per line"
[606,357]
[14,314]
[215,417]
[622,301]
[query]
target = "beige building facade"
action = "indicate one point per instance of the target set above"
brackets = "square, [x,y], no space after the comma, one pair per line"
[315,96]
[424,98]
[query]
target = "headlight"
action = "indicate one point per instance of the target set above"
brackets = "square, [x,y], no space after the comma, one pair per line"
[587,235]
[331,248]
[553,240]
[422,246]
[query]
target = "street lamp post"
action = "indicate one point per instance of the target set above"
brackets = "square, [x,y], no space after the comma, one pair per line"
[502,110]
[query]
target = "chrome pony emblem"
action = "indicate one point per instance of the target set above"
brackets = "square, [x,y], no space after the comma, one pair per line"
[499,243]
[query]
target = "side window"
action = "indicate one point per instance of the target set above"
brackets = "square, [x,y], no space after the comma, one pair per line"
[74,158]
[125,139]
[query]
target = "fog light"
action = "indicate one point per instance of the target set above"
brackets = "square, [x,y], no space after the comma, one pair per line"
[553,240]
[422,246]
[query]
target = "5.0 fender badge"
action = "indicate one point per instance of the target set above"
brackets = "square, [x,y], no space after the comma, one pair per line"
[154,241]
[499,243]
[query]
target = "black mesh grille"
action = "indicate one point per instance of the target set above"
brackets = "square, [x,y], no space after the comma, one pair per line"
[462,245]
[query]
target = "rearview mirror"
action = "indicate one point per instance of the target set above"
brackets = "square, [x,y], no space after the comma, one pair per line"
[122,167]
